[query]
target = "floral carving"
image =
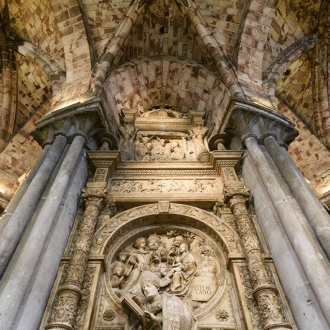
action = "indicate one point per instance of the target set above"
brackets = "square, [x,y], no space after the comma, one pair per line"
[222,315]
[109,315]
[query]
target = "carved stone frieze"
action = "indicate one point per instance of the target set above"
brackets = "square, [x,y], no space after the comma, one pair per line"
[165,173]
[152,186]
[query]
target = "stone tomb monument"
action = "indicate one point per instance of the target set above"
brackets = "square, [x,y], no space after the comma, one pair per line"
[168,238]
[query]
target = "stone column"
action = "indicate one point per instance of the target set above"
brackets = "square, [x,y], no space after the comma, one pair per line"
[316,269]
[303,303]
[252,124]
[77,126]
[264,291]
[24,263]
[26,205]
[69,294]
[44,274]
[22,189]
[317,216]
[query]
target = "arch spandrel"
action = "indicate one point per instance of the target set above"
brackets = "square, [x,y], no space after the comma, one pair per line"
[174,214]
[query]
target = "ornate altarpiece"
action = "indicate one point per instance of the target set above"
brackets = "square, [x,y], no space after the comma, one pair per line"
[164,203]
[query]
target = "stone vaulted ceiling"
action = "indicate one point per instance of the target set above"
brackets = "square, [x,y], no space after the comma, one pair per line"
[162,51]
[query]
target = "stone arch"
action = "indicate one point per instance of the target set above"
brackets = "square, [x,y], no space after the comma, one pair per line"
[123,229]
[164,213]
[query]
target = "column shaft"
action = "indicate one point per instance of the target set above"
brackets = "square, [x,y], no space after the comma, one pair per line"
[30,314]
[302,192]
[264,291]
[314,265]
[302,300]
[27,205]
[64,315]
[22,189]
[24,263]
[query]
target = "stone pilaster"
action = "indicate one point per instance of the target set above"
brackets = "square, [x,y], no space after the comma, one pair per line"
[264,291]
[69,294]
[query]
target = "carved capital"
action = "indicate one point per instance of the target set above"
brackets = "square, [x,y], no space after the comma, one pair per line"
[237,195]
[94,196]
[84,119]
[248,119]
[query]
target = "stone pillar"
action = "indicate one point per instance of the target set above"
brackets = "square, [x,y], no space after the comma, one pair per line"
[44,274]
[253,124]
[317,216]
[26,205]
[315,267]
[69,294]
[303,303]
[22,189]
[50,189]
[264,291]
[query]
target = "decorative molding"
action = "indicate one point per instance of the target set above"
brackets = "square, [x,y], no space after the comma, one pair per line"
[130,218]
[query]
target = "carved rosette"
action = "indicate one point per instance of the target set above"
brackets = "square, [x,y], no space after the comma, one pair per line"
[69,294]
[264,291]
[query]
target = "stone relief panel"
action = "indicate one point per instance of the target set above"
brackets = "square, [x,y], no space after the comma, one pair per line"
[196,186]
[189,278]
[158,147]
[162,134]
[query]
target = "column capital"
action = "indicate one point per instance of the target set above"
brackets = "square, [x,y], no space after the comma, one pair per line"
[253,120]
[95,196]
[237,195]
[80,119]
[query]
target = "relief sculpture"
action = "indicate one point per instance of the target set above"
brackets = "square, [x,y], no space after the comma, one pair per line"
[161,278]
[156,148]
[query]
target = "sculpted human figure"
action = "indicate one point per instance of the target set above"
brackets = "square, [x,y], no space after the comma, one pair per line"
[184,269]
[117,275]
[157,250]
[137,263]
[163,311]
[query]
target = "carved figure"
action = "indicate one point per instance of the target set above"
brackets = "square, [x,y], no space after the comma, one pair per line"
[162,311]
[157,250]
[117,276]
[184,268]
[143,147]
[137,263]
